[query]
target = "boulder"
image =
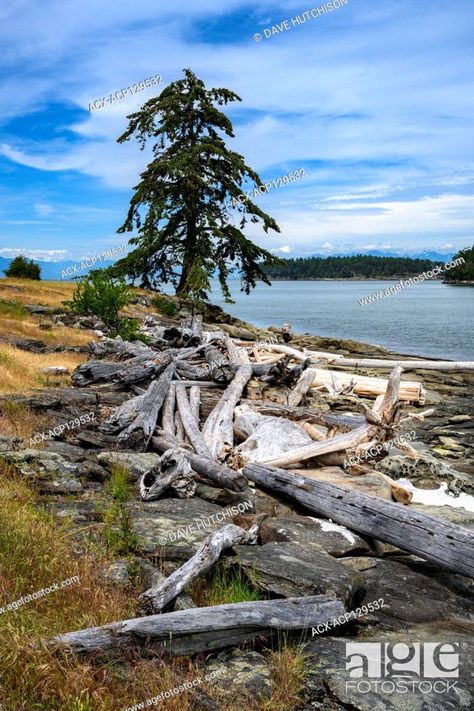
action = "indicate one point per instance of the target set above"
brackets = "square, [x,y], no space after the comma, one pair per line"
[294,570]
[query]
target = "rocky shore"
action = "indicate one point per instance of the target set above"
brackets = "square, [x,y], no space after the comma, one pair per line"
[297,554]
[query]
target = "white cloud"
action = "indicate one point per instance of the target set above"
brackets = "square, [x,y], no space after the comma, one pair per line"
[43,209]
[49,255]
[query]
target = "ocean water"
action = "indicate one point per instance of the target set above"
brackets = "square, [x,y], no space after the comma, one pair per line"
[430,318]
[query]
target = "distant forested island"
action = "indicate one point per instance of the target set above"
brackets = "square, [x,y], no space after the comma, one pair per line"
[360,266]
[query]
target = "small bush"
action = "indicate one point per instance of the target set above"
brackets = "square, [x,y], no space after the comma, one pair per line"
[164,305]
[99,294]
[118,531]
[22,268]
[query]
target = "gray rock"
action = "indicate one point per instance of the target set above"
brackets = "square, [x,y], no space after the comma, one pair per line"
[10,444]
[117,573]
[242,672]
[423,468]
[136,463]
[50,472]
[326,536]
[409,596]
[162,526]
[294,570]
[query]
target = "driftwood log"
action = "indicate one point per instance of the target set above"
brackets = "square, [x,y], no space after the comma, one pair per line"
[155,599]
[189,422]
[204,629]
[216,473]
[219,367]
[173,471]
[218,428]
[445,544]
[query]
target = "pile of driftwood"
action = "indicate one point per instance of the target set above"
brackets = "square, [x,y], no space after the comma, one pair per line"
[184,398]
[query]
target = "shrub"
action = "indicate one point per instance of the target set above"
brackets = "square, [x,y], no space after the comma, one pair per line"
[118,532]
[101,295]
[165,305]
[22,268]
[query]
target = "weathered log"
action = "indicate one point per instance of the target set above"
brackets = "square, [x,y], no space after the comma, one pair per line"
[347,421]
[144,368]
[173,471]
[301,388]
[266,437]
[189,423]
[220,369]
[444,365]
[237,356]
[218,429]
[205,628]
[94,371]
[410,391]
[167,413]
[195,402]
[218,474]
[384,413]
[121,350]
[445,544]
[155,599]
[136,418]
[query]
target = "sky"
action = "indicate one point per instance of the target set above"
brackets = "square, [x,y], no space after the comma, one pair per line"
[374,100]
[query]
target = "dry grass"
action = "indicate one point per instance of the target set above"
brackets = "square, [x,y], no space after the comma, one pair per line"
[29,291]
[36,551]
[19,369]
[17,420]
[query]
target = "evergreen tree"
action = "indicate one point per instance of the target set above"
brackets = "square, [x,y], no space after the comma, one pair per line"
[21,268]
[463,271]
[181,205]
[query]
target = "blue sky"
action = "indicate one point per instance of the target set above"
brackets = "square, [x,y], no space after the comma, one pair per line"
[374,100]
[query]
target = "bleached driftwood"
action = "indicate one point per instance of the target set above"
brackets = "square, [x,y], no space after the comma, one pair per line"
[301,388]
[155,599]
[218,428]
[173,471]
[189,422]
[220,369]
[266,437]
[410,391]
[167,414]
[444,365]
[384,413]
[217,473]
[205,628]
[445,544]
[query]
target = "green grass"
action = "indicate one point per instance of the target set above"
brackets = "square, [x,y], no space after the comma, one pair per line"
[12,309]
[165,305]
[223,586]
[118,532]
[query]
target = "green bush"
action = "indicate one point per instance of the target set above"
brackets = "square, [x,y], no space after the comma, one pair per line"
[118,531]
[21,268]
[99,294]
[165,305]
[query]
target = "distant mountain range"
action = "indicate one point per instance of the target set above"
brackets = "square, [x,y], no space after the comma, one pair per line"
[53,270]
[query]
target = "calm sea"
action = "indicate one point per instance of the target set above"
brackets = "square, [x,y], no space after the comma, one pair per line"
[429,318]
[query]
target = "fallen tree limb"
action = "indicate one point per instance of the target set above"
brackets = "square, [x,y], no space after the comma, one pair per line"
[218,428]
[301,388]
[173,471]
[218,474]
[204,628]
[189,422]
[445,365]
[347,421]
[445,544]
[410,391]
[156,598]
